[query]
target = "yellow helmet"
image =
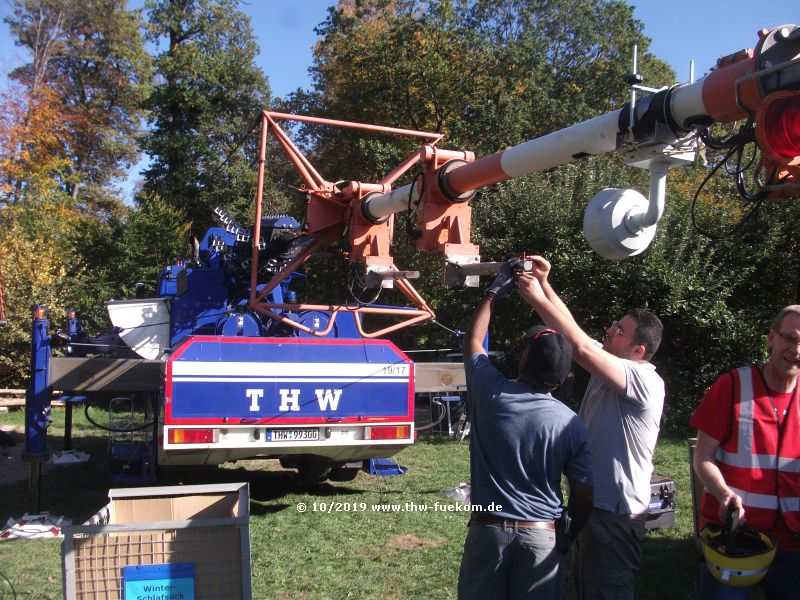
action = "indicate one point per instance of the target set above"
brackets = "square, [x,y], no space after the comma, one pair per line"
[741,564]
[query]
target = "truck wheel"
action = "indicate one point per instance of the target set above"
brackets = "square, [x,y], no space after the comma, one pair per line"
[313,469]
[186,475]
[343,474]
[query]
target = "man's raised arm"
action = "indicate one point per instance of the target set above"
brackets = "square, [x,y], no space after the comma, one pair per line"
[604,365]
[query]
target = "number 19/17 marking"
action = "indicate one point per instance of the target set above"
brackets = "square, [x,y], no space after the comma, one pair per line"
[395,370]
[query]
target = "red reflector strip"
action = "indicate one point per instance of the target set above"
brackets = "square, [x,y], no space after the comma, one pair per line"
[192,436]
[393,432]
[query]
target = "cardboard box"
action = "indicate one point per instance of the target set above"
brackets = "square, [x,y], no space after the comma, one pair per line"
[206,526]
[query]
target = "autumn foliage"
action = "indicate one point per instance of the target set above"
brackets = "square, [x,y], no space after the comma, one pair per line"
[33,136]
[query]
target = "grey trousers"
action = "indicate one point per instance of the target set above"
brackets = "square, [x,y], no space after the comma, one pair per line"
[503,564]
[607,556]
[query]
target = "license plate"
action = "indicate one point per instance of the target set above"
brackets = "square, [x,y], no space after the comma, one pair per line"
[292,435]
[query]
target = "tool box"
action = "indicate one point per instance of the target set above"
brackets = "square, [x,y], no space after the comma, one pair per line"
[661,508]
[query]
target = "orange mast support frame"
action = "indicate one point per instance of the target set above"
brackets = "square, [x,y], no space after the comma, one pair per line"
[326,205]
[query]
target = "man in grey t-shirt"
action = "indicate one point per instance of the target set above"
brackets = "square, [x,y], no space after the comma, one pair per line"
[622,410]
[522,441]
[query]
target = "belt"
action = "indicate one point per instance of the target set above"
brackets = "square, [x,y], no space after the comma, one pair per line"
[483,519]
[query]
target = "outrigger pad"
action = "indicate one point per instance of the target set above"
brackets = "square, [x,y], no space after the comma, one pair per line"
[385,466]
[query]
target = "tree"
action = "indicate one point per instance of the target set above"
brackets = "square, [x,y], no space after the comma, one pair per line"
[55,254]
[116,254]
[91,55]
[204,108]
[32,134]
[485,74]
[36,262]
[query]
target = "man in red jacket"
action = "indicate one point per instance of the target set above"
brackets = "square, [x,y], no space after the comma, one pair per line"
[748,455]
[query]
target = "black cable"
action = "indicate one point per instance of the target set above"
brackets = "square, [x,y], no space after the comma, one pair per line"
[741,186]
[409,211]
[345,222]
[356,279]
[750,162]
[693,209]
[442,413]
[713,142]
[8,581]
[745,134]
[757,199]
[736,144]
[111,429]
[418,177]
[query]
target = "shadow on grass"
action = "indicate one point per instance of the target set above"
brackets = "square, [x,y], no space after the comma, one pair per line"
[265,486]
[77,491]
[438,439]
[670,569]
[258,509]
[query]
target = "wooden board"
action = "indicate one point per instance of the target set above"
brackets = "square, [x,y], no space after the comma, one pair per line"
[439,377]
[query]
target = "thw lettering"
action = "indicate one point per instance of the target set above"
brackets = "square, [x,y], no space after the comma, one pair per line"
[328,399]
[254,396]
[290,400]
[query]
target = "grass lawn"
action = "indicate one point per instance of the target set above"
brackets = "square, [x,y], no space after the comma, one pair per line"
[368,538]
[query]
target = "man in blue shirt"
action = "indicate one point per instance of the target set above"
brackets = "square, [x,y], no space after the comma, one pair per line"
[522,440]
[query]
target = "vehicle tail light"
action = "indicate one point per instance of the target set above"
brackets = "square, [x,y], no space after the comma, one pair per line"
[193,436]
[391,432]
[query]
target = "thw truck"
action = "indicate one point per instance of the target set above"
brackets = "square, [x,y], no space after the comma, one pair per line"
[222,383]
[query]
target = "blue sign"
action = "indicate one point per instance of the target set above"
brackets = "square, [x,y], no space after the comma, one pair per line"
[158,582]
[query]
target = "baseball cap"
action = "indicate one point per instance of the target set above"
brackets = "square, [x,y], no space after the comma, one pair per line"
[549,356]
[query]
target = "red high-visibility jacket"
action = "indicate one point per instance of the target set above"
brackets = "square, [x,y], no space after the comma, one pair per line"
[760,460]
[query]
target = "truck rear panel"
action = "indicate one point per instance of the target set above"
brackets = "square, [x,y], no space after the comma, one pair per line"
[231,398]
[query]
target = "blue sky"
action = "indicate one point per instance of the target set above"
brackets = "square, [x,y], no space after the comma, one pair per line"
[680,30]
